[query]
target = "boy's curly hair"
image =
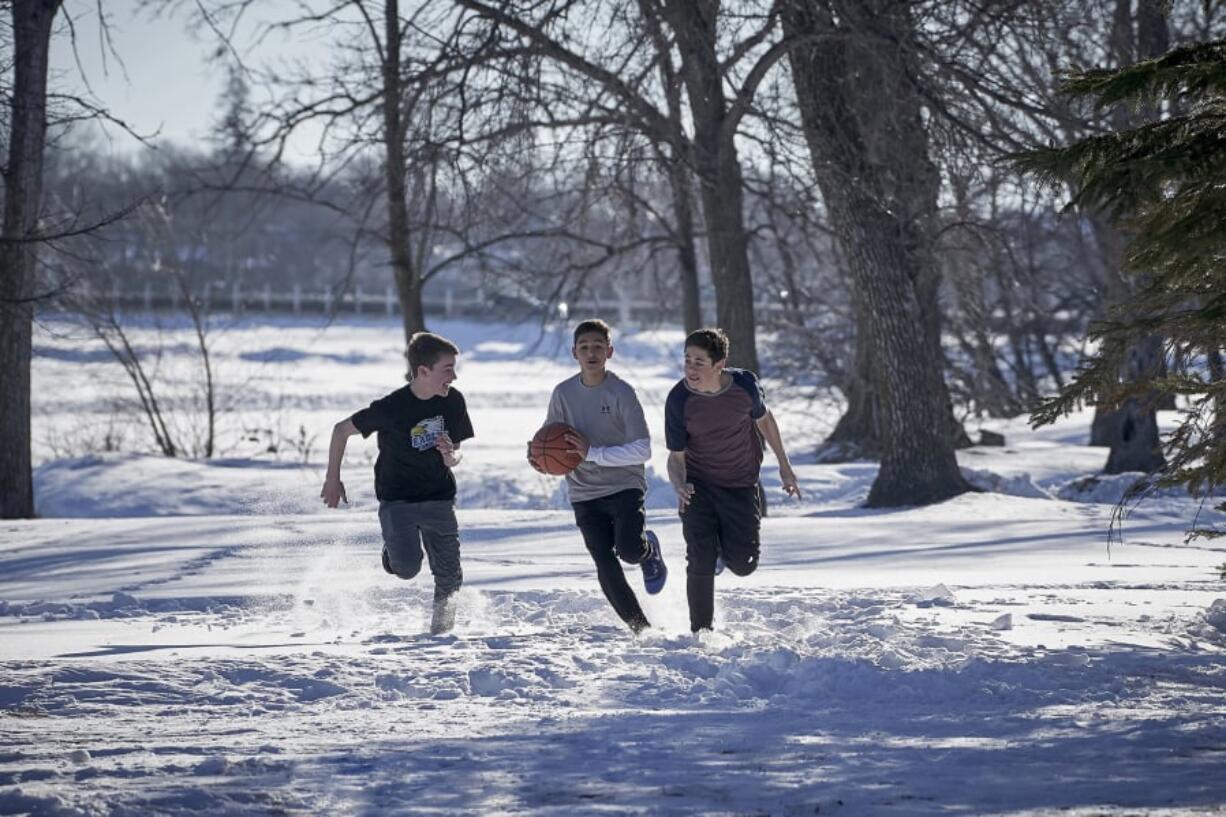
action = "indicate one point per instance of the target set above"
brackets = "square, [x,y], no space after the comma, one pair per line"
[712,340]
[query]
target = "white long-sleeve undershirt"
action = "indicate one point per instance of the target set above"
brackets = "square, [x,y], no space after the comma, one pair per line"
[632,453]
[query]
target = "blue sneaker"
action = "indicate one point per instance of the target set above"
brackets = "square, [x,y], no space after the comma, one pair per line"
[719,564]
[655,572]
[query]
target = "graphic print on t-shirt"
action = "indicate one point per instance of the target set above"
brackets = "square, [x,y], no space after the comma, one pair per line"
[426,432]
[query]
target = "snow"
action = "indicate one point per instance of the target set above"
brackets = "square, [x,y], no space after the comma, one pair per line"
[185,637]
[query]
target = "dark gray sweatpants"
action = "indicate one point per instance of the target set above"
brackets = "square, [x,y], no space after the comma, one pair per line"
[410,526]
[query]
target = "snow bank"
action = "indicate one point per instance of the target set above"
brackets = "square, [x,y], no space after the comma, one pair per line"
[1015,485]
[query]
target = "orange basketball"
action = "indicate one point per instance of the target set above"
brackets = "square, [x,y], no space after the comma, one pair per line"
[550,452]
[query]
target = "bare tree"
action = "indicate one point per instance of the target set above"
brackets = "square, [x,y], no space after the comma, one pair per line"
[709,60]
[90,282]
[381,94]
[1131,429]
[880,187]
[23,177]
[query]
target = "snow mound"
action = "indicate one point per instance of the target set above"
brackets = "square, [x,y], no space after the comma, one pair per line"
[937,596]
[1016,485]
[16,801]
[1111,488]
[1215,616]
[137,485]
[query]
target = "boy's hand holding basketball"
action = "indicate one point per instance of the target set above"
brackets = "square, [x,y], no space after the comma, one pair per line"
[557,449]
[533,462]
[578,444]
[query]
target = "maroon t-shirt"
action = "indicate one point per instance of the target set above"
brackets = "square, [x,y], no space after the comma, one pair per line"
[718,432]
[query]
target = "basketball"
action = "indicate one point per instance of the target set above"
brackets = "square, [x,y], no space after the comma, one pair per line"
[549,449]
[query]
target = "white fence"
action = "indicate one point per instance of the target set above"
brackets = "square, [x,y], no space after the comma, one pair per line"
[299,301]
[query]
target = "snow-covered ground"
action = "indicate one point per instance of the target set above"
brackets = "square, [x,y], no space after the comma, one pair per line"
[187,637]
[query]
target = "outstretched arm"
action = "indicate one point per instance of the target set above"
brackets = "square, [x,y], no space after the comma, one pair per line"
[333,492]
[770,432]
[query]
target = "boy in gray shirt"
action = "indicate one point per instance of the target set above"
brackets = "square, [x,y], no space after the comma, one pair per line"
[608,486]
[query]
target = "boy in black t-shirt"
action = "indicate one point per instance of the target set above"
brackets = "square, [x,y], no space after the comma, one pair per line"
[420,428]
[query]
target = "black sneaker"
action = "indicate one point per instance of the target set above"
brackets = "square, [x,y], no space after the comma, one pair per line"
[655,572]
[387,564]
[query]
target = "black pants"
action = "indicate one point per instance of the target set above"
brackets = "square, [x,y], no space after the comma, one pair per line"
[718,522]
[612,528]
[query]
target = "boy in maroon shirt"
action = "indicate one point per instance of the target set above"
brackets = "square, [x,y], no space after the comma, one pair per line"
[715,419]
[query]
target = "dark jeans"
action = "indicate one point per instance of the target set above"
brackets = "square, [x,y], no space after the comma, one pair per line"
[722,522]
[612,528]
[408,526]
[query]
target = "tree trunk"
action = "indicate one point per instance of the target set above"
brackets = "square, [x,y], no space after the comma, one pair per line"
[728,250]
[857,435]
[918,465]
[1136,445]
[404,271]
[1217,372]
[862,148]
[1111,246]
[673,155]
[687,258]
[23,177]
[719,174]
[1131,429]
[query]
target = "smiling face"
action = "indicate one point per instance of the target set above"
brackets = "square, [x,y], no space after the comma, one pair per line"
[436,380]
[592,351]
[701,372]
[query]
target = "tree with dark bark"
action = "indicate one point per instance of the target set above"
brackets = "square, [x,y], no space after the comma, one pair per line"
[19,241]
[880,189]
[1130,429]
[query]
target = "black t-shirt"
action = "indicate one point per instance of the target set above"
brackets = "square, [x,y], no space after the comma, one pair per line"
[409,467]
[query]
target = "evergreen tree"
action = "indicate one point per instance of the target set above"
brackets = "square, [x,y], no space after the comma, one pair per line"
[1164,182]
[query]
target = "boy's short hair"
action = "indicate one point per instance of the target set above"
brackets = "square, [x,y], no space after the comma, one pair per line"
[425,349]
[593,325]
[712,340]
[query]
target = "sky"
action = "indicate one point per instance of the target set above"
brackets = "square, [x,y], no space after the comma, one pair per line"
[163,85]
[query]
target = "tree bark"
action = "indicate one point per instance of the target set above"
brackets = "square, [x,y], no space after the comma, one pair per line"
[404,270]
[857,435]
[1135,442]
[23,179]
[918,465]
[673,155]
[863,146]
[1217,373]
[718,169]
[687,258]
[1131,429]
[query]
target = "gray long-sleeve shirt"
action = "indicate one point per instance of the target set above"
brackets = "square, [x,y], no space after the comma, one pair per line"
[610,417]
